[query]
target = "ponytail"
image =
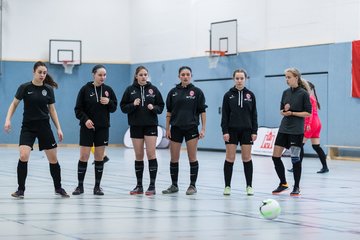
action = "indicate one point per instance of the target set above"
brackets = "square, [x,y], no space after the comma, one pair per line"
[49,80]
[312,87]
[304,84]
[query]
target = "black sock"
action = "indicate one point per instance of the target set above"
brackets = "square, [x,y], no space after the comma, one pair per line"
[248,170]
[280,169]
[302,152]
[21,174]
[228,170]
[297,173]
[99,168]
[320,152]
[194,169]
[82,166]
[139,171]
[55,172]
[153,167]
[174,173]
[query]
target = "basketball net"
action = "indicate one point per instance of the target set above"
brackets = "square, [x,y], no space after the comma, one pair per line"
[68,66]
[214,57]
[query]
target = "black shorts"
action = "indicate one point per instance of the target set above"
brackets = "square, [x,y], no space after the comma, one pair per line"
[97,137]
[141,131]
[240,136]
[178,134]
[37,129]
[287,140]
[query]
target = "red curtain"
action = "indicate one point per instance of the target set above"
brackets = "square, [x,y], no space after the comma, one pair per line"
[355,86]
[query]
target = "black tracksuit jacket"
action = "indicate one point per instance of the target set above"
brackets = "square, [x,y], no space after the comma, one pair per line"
[141,115]
[299,101]
[88,105]
[185,105]
[239,111]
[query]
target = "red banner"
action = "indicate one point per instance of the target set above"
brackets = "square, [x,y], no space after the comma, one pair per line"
[355,84]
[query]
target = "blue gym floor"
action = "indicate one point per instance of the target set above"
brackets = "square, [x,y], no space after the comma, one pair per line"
[329,207]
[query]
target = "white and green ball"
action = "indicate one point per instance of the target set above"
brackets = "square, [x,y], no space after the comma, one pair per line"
[270,209]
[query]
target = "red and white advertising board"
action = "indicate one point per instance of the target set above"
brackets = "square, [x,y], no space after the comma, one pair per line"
[265,141]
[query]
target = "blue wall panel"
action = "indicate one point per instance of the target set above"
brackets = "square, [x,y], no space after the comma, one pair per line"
[330,64]
[344,114]
[16,73]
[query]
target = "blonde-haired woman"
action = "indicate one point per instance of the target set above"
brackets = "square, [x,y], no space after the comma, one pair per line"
[294,107]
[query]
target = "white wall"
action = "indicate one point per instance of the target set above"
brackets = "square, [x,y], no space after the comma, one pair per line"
[123,31]
[103,26]
[180,28]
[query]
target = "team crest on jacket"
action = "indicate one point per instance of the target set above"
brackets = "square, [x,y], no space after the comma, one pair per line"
[107,94]
[248,97]
[151,93]
[44,92]
[191,95]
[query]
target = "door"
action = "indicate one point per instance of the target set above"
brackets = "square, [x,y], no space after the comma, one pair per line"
[214,92]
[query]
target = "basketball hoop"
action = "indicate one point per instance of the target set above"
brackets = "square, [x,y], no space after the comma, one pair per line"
[214,56]
[68,66]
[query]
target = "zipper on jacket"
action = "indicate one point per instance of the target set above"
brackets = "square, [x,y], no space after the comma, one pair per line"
[97,97]
[240,98]
[142,91]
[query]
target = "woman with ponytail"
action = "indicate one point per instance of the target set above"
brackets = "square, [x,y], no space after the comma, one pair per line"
[94,103]
[39,106]
[312,129]
[143,102]
[294,107]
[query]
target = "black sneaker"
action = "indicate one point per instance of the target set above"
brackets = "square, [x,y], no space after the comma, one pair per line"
[291,170]
[105,159]
[191,190]
[137,190]
[171,189]
[61,192]
[98,191]
[78,190]
[280,188]
[295,192]
[323,170]
[150,191]
[18,194]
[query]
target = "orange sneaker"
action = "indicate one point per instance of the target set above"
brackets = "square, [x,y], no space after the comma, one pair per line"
[280,188]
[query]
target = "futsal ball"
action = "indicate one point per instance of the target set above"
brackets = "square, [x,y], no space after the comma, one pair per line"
[270,209]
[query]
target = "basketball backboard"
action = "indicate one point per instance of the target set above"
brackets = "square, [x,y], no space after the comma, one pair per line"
[223,36]
[65,51]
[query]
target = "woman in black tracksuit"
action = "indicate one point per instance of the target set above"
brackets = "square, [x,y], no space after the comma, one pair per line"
[185,104]
[294,107]
[239,125]
[94,104]
[39,106]
[142,102]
